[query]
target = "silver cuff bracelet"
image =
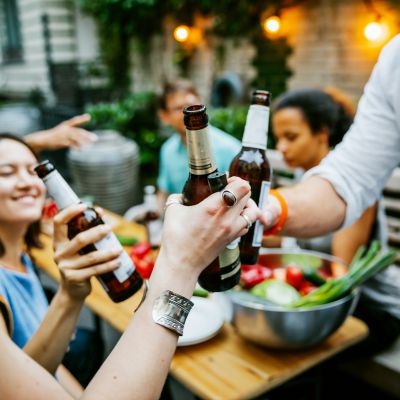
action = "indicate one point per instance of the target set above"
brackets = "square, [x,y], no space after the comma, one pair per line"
[171,310]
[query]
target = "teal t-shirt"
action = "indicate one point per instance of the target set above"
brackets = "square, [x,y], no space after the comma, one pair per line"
[174,164]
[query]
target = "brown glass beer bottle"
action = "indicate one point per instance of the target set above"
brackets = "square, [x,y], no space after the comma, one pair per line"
[196,188]
[120,283]
[252,165]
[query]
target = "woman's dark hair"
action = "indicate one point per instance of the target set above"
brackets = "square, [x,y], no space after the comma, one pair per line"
[321,110]
[32,234]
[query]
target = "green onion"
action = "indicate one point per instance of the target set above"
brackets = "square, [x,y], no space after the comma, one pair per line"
[364,265]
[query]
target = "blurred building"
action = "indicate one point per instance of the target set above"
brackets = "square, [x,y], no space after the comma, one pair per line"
[49,45]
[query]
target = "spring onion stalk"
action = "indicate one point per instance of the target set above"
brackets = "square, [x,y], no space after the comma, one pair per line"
[364,265]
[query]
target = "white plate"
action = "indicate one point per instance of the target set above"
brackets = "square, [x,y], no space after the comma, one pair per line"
[204,322]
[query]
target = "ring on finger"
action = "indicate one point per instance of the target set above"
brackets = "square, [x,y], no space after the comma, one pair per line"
[228,198]
[248,221]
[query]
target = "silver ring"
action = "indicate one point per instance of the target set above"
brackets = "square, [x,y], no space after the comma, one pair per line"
[228,198]
[248,222]
[170,202]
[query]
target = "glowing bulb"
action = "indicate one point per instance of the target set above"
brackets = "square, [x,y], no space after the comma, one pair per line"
[272,24]
[374,31]
[181,33]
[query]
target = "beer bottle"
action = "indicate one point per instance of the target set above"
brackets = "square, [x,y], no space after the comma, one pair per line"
[229,259]
[252,165]
[152,219]
[120,283]
[196,188]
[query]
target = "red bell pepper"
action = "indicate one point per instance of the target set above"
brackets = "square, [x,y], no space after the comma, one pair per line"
[306,288]
[141,249]
[294,276]
[255,275]
[141,256]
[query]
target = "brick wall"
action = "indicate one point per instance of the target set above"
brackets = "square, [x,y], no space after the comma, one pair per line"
[329,46]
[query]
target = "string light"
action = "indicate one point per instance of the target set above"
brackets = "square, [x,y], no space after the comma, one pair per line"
[375,31]
[272,24]
[181,33]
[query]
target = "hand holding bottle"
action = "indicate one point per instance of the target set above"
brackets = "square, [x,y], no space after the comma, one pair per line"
[271,212]
[76,269]
[193,236]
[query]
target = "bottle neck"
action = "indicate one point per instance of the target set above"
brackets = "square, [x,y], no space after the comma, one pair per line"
[59,190]
[256,129]
[150,201]
[199,152]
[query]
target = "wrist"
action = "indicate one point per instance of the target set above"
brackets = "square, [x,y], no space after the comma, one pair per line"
[172,275]
[273,230]
[67,300]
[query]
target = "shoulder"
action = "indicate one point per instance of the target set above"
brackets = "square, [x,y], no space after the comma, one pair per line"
[171,144]
[388,65]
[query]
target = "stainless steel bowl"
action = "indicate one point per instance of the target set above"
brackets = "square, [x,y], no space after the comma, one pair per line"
[274,326]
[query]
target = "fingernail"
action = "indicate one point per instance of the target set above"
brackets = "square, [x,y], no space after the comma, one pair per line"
[106,228]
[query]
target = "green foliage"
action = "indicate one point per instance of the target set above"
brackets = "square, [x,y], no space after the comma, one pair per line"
[121,20]
[230,119]
[134,117]
[271,64]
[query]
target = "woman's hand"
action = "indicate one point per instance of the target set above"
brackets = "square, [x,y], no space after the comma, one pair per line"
[193,236]
[75,269]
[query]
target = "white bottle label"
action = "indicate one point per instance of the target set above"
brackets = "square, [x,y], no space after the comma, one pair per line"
[126,269]
[59,190]
[256,128]
[258,230]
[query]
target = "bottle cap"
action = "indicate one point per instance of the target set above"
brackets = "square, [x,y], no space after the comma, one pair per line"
[261,97]
[217,181]
[44,168]
[195,117]
[149,189]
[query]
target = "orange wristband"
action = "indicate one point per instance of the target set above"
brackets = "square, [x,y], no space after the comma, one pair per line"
[283,217]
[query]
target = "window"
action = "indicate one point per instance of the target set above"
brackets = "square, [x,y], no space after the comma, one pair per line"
[10,32]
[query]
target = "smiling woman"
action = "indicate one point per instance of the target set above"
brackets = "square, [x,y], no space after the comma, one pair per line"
[25,314]
[21,198]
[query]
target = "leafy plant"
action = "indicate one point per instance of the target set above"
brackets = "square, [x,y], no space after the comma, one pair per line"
[121,20]
[135,117]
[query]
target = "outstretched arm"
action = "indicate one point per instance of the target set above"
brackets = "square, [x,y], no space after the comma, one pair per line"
[139,364]
[65,134]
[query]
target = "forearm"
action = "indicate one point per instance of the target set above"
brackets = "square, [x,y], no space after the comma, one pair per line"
[314,208]
[139,364]
[49,343]
[37,140]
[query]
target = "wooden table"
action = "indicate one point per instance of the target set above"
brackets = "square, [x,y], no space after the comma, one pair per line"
[226,367]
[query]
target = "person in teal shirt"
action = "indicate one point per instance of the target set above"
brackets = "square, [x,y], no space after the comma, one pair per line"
[174,168]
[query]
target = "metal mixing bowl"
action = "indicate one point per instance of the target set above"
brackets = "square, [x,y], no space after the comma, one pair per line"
[277,327]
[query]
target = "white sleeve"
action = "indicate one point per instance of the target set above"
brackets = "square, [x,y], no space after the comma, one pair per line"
[359,167]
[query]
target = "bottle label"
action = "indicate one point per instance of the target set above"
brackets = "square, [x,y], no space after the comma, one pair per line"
[229,260]
[59,190]
[256,128]
[199,152]
[126,269]
[258,230]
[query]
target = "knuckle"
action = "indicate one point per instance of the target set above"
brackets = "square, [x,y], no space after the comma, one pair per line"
[226,228]
[212,210]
